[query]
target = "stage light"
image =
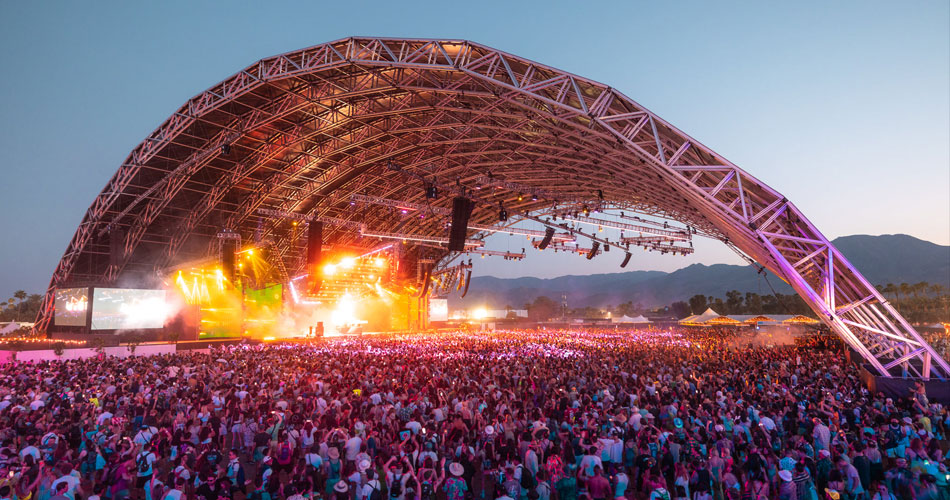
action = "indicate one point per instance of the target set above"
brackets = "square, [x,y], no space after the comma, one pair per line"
[502,214]
[534,197]
[520,197]
[379,262]
[480,313]
[294,223]
[250,252]
[347,262]
[329,269]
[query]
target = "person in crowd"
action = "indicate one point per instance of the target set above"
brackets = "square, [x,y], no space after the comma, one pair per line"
[515,415]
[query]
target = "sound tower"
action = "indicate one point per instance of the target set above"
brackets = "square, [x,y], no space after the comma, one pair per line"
[593,250]
[227,259]
[314,254]
[548,234]
[461,211]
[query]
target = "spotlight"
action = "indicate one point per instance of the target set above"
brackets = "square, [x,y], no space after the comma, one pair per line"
[600,193]
[225,149]
[502,214]
[520,197]
[329,269]
[432,192]
[534,197]
[586,211]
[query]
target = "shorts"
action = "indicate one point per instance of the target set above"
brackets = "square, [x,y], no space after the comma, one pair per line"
[141,481]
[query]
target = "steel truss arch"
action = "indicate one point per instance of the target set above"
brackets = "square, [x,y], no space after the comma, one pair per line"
[300,132]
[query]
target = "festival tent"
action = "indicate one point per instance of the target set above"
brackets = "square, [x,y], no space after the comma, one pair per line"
[698,319]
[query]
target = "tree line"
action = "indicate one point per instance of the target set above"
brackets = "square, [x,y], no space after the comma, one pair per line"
[21,307]
[919,303]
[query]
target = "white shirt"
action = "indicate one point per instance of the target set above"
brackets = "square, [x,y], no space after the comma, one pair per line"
[353,447]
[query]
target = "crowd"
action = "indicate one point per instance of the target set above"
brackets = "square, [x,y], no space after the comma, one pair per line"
[506,416]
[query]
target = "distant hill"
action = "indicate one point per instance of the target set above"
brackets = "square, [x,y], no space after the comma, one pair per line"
[897,258]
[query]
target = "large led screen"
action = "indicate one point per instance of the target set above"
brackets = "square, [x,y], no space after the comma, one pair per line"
[438,309]
[70,306]
[127,309]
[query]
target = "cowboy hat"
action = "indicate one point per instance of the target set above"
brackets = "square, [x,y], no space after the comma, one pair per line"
[341,487]
[456,469]
[363,465]
[785,475]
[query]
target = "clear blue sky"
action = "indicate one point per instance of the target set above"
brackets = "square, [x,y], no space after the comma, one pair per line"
[842,106]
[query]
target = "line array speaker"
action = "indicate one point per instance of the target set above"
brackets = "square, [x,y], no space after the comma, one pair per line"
[626,259]
[461,211]
[548,234]
[593,250]
[227,258]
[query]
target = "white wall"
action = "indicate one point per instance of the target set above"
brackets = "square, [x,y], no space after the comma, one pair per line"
[120,351]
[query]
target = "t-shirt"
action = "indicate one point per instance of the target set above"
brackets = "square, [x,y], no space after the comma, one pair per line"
[352,447]
[146,458]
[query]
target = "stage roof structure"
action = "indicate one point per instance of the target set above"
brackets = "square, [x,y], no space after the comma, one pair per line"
[304,133]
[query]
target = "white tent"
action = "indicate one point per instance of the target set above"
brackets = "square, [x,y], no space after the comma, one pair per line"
[700,318]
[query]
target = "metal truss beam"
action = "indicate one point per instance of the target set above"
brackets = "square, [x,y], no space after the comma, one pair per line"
[308,129]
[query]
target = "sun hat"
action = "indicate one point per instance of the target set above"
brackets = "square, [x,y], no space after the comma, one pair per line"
[363,465]
[456,469]
[341,487]
[489,430]
[785,475]
[333,453]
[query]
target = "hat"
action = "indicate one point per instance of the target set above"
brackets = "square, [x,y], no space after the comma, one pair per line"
[333,453]
[489,430]
[678,423]
[907,420]
[456,469]
[832,494]
[785,475]
[341,487]
[363,465]
[719,428]
[824,453]
[267,459]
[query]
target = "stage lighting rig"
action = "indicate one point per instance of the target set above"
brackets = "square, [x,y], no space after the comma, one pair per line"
[401,205]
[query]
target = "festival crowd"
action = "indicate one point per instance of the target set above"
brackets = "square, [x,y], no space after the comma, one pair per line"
[531,415]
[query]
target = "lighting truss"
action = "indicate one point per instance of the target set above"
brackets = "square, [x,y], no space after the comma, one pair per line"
[417,237]
[452,108]
[497,253]
[520,231]
[560,247]
[402,205]
[668,234]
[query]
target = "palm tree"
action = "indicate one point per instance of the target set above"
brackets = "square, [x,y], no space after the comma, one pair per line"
[20,295]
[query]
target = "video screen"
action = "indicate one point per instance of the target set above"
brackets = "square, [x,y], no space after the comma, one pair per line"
[70,306]
[127,309]
[438,309]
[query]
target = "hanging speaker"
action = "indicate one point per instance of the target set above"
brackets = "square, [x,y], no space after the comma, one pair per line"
[461,211]
[314,255]
[116,244]
[314,244]
[227,259]
[548,234]
[626,259]
[593,250]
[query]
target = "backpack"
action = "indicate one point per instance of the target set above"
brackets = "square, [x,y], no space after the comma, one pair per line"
[396,489]
[283,454]
[142,462]
[375,493]
[426,491]
[528,481]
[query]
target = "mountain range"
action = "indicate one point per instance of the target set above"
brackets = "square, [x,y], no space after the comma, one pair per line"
[891,258]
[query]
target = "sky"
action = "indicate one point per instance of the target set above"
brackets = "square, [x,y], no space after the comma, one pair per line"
[844,107]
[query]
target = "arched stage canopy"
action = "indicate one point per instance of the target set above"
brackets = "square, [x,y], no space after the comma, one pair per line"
[302,133]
